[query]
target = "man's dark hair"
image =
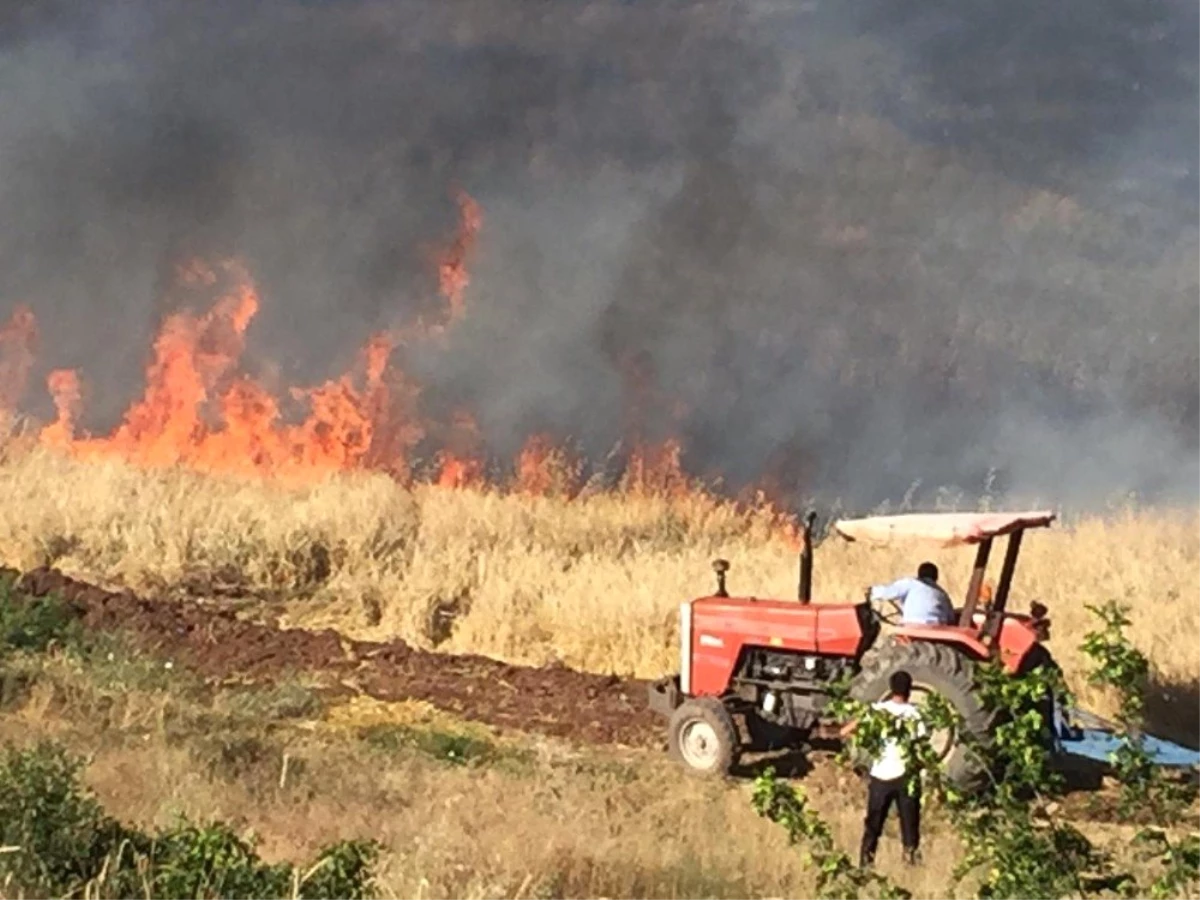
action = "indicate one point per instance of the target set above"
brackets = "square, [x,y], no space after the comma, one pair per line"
[900,684]
[927,571]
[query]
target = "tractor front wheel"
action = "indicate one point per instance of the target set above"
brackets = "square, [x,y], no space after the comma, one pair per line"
[703,737]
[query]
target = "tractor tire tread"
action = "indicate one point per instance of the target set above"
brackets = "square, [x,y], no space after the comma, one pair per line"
[944,669]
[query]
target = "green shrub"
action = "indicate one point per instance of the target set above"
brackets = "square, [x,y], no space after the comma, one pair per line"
[212,861]
[59,842]
[344,870]
[34,623]
[61,835]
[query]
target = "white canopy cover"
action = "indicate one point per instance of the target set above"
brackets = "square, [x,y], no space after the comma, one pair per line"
[944,529]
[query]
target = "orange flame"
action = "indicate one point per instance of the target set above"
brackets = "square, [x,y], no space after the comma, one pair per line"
[656,469]
[533,471]
[65,389]
[199,410]
[191,356]
[453,277]
[460,465]
[544,469]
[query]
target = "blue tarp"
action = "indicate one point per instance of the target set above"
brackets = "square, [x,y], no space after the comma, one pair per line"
[1097,744]
[1094,738]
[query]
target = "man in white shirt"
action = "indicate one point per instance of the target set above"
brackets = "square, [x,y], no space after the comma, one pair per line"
[889,781]
[922,598]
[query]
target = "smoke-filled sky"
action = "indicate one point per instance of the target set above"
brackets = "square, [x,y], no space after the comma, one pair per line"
[852,245]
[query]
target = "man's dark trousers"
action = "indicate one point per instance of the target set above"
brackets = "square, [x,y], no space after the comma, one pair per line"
[880,795]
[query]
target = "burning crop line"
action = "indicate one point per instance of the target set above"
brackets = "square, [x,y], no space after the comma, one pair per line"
[198,410]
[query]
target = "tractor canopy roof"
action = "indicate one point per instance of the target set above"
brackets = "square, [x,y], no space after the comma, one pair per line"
[943,529]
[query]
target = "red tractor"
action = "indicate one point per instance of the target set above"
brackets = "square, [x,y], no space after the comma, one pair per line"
[768,664]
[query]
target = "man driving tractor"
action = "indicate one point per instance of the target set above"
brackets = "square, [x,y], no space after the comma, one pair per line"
[923,600]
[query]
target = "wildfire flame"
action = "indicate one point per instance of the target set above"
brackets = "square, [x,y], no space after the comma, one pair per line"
[65,389]
[453,277]
[545,468]
[460,464]
[199,410]
[655,468]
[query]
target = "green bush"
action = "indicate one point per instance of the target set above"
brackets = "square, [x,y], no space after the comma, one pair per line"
[61,835]
[212,861]
[34,623]
[344,870]
[59,842]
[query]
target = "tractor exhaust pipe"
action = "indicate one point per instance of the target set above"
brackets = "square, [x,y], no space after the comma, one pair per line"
[720,566]
[806,559]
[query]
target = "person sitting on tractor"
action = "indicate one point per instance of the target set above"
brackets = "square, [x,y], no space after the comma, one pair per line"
[922,598]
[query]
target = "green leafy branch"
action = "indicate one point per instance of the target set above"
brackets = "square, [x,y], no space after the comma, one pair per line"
[1120,667]
[837,874]
[1013,847]
[1016,843]
[1020,746]
[1013,844]
[1123,669]
[876,728]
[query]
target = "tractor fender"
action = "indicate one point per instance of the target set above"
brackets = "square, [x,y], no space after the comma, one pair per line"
[955,635]
[1017,644]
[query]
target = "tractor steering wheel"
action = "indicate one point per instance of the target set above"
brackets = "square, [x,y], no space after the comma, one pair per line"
[891,618]
[895,616]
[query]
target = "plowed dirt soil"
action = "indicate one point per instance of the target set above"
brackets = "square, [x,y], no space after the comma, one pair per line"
[214,643]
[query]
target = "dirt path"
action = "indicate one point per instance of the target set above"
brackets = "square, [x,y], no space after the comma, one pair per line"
[556,701]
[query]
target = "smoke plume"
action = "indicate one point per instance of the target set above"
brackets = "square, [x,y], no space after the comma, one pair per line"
[850,250]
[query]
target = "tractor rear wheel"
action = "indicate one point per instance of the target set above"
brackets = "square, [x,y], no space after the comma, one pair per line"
[940,669]
[703,737]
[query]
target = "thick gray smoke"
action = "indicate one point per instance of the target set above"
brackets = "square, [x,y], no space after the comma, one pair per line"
[849,246]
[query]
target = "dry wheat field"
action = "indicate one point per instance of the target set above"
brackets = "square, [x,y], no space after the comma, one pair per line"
[593,582]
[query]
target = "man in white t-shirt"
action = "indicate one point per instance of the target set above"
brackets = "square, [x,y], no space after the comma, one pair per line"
[888,780]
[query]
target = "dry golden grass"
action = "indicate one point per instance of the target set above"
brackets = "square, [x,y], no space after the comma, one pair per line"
[594,582]
[565,822]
